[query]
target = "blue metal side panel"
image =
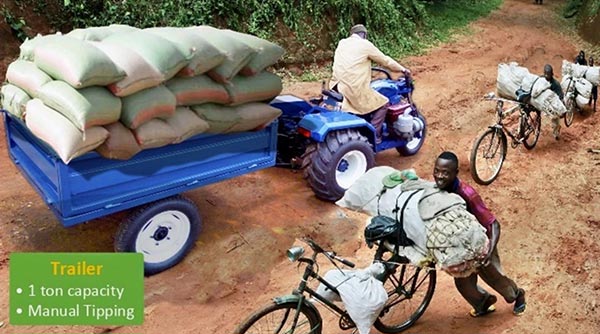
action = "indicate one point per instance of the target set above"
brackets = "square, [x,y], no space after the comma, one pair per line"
[320,124]
[90,186]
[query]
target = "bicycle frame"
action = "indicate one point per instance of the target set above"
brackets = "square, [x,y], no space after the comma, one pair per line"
[501,114]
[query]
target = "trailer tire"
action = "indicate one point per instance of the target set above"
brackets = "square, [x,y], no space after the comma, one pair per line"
[331,166]
[164,231]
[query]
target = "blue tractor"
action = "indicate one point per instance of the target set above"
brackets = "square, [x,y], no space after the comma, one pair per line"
[334,148]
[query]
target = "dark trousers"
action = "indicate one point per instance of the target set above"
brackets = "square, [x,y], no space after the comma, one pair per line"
[377,119]
[492,275]
[594,96]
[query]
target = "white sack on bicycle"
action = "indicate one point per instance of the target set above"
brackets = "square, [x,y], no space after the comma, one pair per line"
[549,103]
[362,195]
[534,83]
[509,79]
[584,88]
[567,84]
[365,196]
[362,294]
[590,73]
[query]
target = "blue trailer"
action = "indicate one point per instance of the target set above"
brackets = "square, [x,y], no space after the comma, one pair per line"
[164,225]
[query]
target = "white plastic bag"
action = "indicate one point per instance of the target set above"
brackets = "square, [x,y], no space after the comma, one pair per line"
[362,294]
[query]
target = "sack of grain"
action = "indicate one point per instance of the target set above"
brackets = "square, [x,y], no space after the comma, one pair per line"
[98,34]
[154,133]
[25,75]
[267,53]
[77,62]
[186,123]
[157,51]
[85,107]
[14,100]
[59,133]
[254,116]
[237,53]
[197,90]
[141,107]
[139,74]
[582,102]
[120,144]
[26,49]
[261,87]
[204,55]
[567,84]
[221,119]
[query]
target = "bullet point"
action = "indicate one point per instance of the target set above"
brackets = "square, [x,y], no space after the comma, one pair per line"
[19,290]
[19,311]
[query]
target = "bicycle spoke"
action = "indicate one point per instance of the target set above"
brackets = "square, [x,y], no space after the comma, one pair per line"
[489,150]
[281,322]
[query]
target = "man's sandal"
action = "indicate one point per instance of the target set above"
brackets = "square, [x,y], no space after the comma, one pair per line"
[488,307]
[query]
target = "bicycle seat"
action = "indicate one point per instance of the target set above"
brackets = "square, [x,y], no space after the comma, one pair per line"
[333,94]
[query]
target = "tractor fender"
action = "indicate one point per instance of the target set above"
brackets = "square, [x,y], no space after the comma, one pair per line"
[295,299]
[320,124]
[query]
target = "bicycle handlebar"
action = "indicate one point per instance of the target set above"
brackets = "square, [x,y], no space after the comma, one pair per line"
[330,255]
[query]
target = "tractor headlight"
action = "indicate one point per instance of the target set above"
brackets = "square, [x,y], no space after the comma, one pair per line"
[295,253]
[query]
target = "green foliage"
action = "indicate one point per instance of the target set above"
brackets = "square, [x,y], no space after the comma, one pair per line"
[308,29]
[17,24]
[572,7]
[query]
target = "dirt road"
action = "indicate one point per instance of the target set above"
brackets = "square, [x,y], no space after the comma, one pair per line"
[546,200]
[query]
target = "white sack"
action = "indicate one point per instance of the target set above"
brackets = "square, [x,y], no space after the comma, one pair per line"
[584,88]
[363,295]
[582,102]
[592,74]
[534,83]
[549,103]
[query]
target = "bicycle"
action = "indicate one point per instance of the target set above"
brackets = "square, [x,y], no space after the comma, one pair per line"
[489,150]
[570,104]
[297,314]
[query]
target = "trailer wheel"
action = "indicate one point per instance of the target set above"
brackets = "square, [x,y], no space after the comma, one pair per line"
[164,231]
[332,166]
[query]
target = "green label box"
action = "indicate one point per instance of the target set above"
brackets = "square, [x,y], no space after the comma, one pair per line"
[76,288]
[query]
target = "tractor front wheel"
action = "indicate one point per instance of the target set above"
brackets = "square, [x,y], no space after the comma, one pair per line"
[332,166]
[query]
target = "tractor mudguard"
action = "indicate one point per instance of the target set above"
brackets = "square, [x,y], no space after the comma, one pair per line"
[320,124]
[294,299]
[291,105]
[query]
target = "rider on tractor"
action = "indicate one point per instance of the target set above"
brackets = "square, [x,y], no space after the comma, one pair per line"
[352,76]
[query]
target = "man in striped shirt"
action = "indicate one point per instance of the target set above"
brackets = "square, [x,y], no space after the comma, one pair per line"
[445,174]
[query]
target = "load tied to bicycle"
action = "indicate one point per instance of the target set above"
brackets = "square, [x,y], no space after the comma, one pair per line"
[414,227]
[529,96]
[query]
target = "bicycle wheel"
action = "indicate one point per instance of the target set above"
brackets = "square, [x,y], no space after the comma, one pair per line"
[409,291]
[530,128]
[569,115]
[279,318]
[487,156]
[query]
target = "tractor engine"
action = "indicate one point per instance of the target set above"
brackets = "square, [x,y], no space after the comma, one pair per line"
[404,125]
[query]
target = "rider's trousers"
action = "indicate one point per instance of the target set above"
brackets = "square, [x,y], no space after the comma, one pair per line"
[377,119]
[494,277]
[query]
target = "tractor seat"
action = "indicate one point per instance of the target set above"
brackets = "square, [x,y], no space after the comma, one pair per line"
[333,94]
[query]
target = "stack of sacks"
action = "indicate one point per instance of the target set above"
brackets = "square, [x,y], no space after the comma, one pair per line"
[579,80]
[512,77]
[436,221]
[144,88]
